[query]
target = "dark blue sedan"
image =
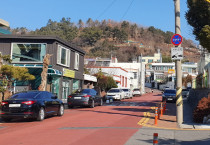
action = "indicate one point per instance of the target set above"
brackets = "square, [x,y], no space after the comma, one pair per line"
[169,95]
[31,104]
[87,97]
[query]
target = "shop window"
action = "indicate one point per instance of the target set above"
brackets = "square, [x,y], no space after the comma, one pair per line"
[63,56]
[28,52]
[76,64]
[150,60]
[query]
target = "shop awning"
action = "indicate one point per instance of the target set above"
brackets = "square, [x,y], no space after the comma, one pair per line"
[51,71]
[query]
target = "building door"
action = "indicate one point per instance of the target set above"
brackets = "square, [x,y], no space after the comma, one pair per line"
[65,90]
[56,86]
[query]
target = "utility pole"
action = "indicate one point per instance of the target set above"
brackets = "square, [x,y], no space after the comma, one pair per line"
[141,77]
[179,101]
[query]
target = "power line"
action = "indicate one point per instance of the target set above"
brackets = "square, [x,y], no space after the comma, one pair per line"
[105,10]
[127,9]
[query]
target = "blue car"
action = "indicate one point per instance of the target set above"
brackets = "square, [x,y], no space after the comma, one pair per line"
[169,95]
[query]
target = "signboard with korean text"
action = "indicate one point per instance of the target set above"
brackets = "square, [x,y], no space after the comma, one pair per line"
[171,71]
[176,53]
[68,73]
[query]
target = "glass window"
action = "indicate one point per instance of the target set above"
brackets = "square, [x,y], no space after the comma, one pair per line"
[25,95]
[63,56]
[150,60]
[26,52]
[76,65]
[135,75]
[114,91]
[170,91]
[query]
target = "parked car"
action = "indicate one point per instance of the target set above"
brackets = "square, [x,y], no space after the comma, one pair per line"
[136,92]
[169,95]
[87,97]
[128,93]
[31,104]
[115,93]
[185,93]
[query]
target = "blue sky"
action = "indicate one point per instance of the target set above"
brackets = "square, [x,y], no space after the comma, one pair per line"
[35,14]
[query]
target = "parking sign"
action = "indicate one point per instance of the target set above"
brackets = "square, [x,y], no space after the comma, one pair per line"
[176,53]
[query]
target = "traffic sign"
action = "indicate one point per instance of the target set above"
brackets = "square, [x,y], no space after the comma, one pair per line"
[176,39]
[176,53]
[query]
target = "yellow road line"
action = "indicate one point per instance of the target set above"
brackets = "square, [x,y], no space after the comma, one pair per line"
[143,122]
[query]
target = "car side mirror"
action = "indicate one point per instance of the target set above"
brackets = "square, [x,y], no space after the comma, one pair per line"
[54,97]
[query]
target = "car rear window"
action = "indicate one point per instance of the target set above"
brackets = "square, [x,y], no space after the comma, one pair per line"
[170,91]
[89,92]
[114,91]
[136,89]
[125,90]
[26,95]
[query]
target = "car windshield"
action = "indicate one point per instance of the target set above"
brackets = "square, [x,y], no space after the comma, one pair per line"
[184,91]
[114,91]
[126,90]
[25,95]
[170,91]
[136,89]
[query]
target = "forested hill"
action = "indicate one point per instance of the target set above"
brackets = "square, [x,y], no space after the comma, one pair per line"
[125,40]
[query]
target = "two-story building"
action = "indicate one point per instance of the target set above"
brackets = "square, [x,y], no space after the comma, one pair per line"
[65,72]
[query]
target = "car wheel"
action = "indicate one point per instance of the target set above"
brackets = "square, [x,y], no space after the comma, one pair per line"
[101,102]
[70,106]
[92,105]
[61,110]
[41,114]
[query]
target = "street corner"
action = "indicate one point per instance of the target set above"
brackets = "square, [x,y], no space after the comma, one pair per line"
[154,119]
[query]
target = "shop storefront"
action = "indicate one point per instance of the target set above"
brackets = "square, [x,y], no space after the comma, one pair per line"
[65,72]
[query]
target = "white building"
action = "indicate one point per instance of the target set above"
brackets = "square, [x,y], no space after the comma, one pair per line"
[163,70]
[120,75]
[136,74]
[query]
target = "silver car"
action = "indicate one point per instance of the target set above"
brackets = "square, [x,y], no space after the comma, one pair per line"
[116,94]
[128,93]
[136,92]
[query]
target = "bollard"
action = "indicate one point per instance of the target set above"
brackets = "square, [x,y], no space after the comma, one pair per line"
[155,138]
[161,109]
[158,112]
[156,115]
[164,108]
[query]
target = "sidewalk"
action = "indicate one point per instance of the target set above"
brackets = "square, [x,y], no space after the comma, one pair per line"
[168,119]
[169,133]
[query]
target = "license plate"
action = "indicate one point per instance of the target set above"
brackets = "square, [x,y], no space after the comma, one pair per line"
[77,97]
[170,99]
[14,105]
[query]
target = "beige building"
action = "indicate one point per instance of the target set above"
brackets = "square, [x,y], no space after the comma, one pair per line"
[157,58]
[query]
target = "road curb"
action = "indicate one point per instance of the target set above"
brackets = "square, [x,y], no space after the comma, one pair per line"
[147,117]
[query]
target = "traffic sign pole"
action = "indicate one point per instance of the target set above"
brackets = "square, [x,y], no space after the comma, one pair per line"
[179,101]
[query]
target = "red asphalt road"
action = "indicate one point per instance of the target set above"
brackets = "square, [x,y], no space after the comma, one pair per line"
[102,125]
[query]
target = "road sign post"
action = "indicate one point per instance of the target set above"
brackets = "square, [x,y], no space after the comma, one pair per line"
[177,42]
